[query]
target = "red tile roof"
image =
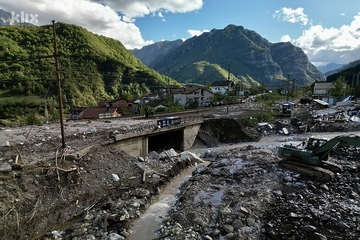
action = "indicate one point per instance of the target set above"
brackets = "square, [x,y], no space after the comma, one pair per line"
[94,112]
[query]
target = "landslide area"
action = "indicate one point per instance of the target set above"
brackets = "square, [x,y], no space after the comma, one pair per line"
[36,198]
[225,130]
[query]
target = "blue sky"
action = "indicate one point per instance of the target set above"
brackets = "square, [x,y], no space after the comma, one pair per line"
[327,30]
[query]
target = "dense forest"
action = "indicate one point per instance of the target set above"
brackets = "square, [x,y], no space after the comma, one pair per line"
[92,68]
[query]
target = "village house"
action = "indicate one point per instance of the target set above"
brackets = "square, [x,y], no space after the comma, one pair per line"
[105,109]
[321,92]
[222,87]
[191,95]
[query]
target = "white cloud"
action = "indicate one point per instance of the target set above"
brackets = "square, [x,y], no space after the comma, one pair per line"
[196,32]
[101,16]
[334,45]
[285,38]
[292,15]
[140,8]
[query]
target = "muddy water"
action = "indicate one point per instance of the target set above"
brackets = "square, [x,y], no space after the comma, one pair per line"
[147,225]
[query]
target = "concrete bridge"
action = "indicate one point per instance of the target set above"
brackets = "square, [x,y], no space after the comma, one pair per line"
[179,137]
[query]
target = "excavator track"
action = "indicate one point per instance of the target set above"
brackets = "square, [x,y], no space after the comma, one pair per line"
[309,170]
[333,167]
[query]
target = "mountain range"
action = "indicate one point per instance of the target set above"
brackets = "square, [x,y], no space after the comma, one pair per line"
[350,72]
[328,69]
[233,53]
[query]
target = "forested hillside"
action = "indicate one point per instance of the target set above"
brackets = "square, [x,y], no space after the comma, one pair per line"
[92,68]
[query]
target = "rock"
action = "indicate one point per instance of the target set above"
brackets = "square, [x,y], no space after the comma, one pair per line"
[343,225]
[91,237]
[309,228]
[287,179]
[141,192]
[125,234]
[278,193]
[244,210]
[228,228]
[285,131]
[136,205]
[155,176]
[237,224]
[4,144]
[207,237]
[192,156]
[5,167]
[141,159]
[115,236]
[319,236]
[115,177]
[153,155]
[226,211]
[324,186]
[250,222]
[123,215]
[171,152]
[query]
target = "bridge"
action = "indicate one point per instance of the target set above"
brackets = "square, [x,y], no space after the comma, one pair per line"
[179,137]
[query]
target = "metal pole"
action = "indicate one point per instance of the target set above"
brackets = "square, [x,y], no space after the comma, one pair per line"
[59,86]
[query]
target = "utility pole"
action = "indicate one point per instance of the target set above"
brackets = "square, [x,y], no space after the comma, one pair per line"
[229,72]
[56,56]
[288,88]
[168,81]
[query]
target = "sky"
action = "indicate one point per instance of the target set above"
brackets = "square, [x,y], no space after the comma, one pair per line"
[328,31]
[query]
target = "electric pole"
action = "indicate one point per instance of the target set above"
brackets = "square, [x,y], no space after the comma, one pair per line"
[229,72]
[56,56]
[168,82]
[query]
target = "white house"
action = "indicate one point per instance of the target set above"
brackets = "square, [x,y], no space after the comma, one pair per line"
[188,95]
[222,87]
[321,92]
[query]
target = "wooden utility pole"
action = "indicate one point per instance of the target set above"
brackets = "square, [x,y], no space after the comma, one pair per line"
[288,88]
[168,82]
[229,72]
[56,56]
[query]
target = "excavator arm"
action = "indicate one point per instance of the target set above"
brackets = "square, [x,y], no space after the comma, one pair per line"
[323,150]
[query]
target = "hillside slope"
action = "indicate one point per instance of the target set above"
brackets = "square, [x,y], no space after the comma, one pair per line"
[93,67]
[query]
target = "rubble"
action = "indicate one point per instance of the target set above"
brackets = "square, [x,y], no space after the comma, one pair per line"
[243,194]
[97,192]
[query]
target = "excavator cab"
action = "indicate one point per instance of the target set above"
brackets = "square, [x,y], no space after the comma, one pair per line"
[314,143]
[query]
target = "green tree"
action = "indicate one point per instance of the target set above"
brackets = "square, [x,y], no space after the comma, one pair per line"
[340,88]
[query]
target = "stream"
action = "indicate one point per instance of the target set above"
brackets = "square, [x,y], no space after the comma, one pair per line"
[149,222]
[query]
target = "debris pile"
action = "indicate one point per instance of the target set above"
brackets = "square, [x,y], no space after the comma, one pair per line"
[243,194]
